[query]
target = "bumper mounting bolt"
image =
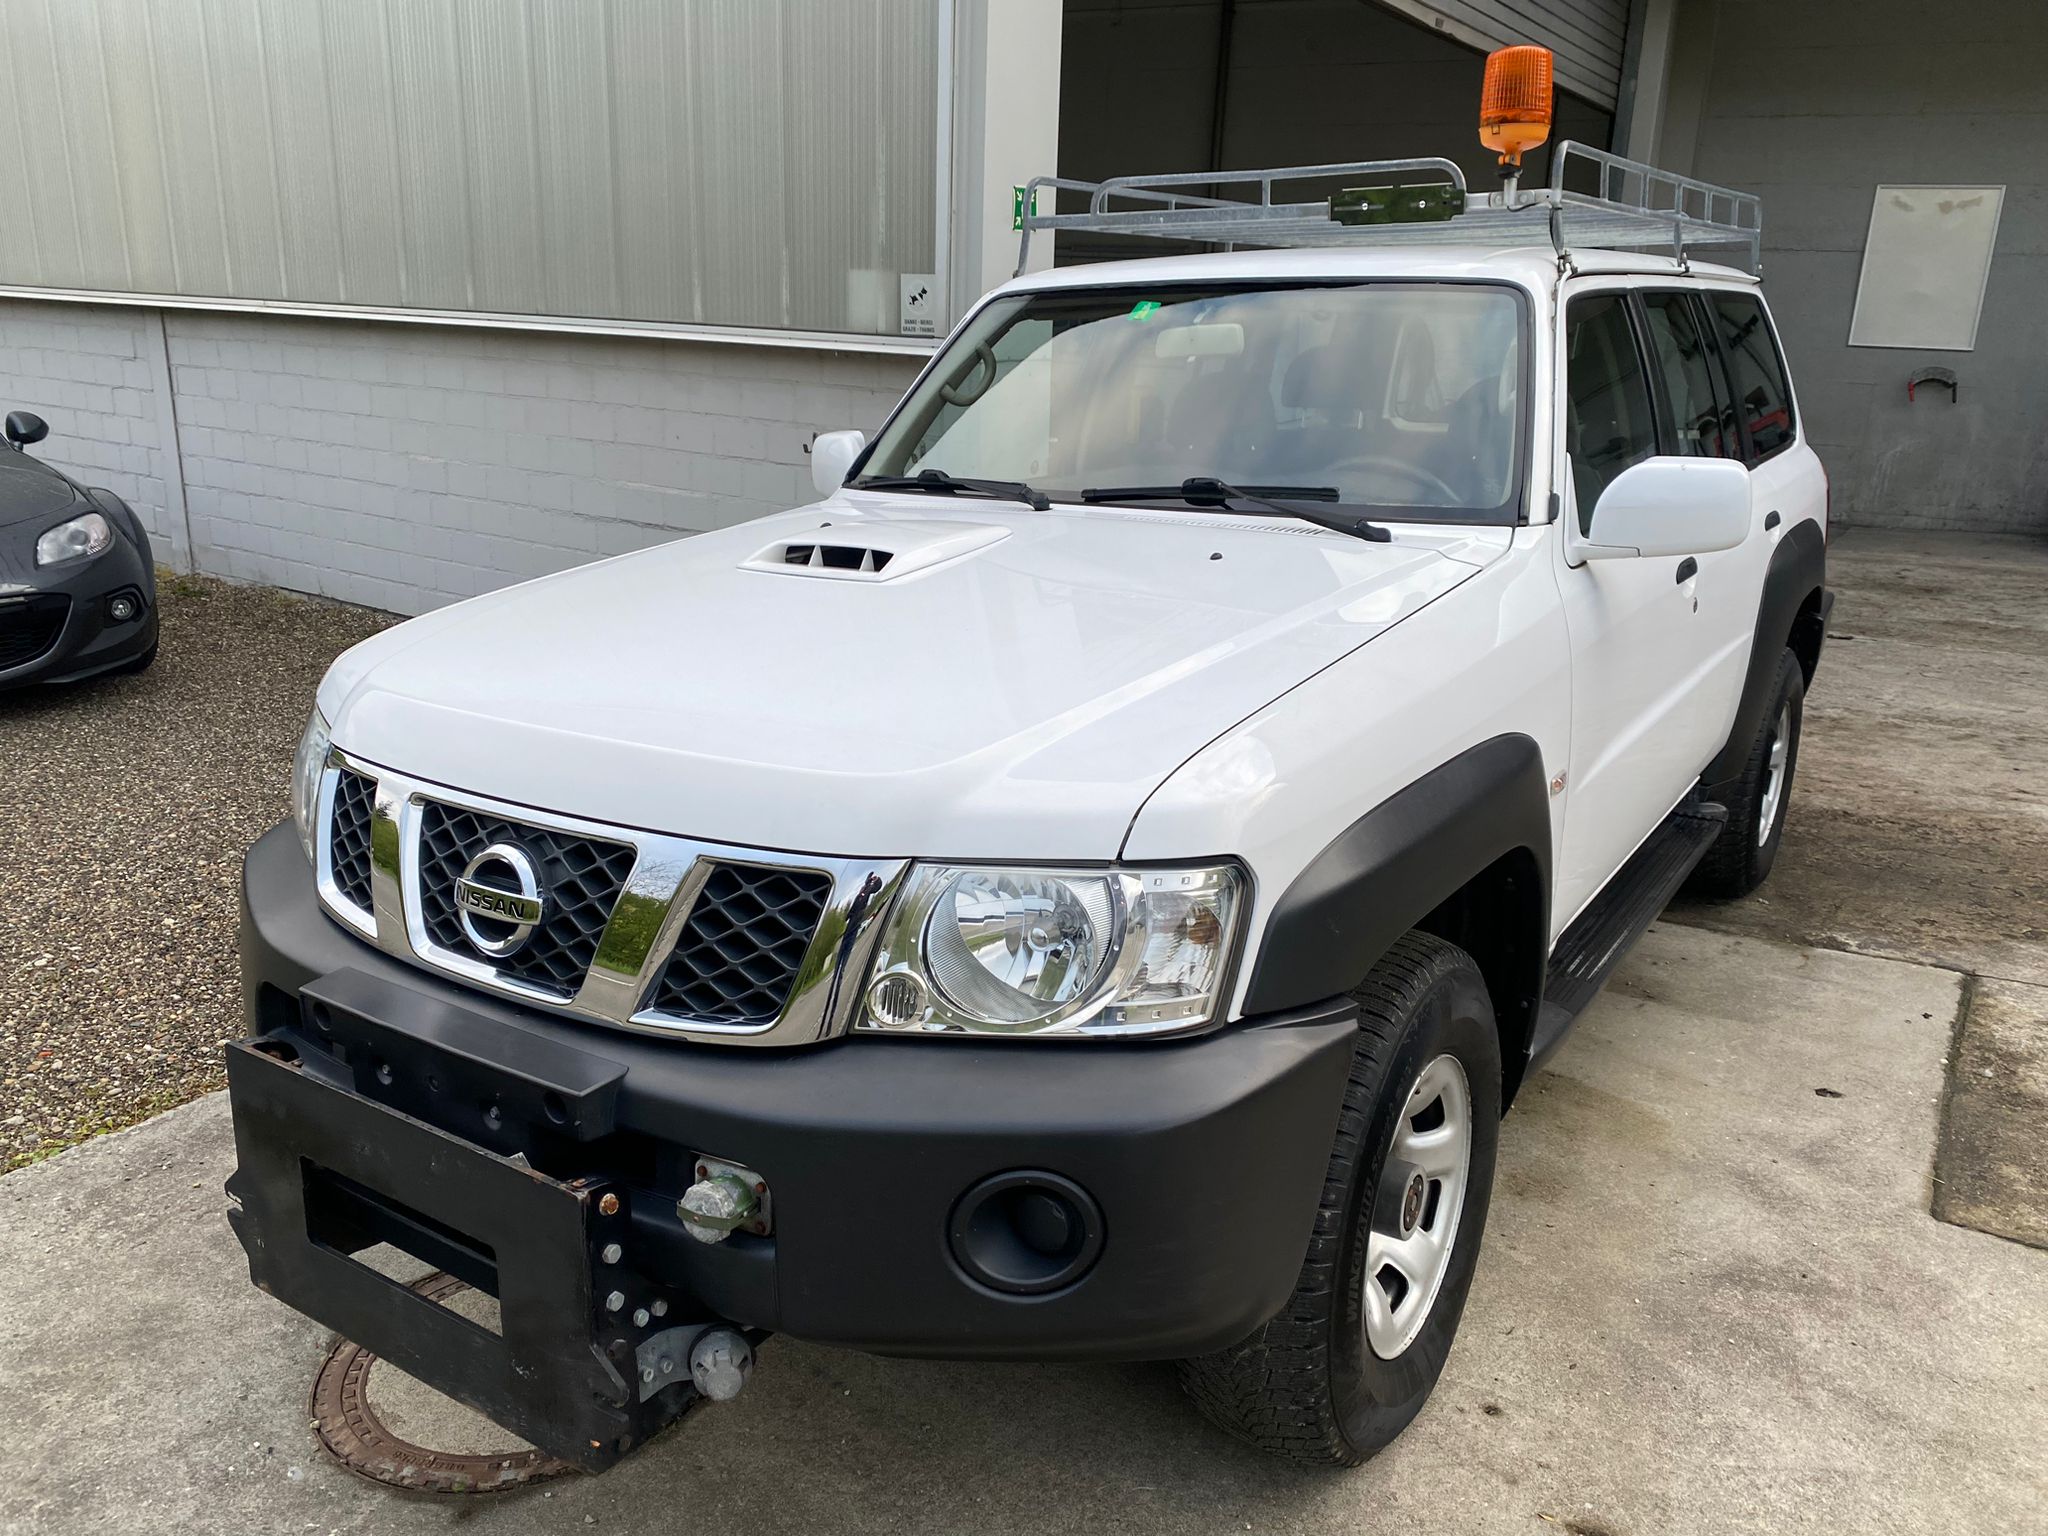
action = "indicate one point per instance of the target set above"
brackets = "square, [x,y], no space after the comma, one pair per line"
[608,1205]
[611,1253]
[639,1317]
[615,1302]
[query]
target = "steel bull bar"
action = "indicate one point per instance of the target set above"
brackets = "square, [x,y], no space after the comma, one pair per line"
[592,1357]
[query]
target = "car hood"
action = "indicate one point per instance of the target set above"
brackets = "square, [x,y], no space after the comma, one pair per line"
[983,681]
[31,491]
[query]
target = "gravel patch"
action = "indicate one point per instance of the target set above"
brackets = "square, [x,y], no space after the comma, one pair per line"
[125,806]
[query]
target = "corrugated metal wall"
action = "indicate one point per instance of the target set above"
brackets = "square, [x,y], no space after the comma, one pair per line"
[1586,35]
[740,162]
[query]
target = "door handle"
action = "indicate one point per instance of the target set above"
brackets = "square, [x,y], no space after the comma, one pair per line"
[1687,569]
[1771,520]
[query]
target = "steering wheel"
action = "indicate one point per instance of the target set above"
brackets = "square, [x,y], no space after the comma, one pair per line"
[984,374]
[1379,463]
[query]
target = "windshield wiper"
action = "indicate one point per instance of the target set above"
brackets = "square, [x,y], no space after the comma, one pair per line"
[1205,491]
[939,480]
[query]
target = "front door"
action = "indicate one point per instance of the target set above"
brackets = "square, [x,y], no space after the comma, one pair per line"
[1637,736]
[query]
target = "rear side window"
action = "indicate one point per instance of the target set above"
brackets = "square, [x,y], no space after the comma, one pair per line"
[1608,421]
[1701,420]
[1762,397]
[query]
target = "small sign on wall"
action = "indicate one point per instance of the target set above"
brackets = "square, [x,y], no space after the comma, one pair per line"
[918,304]
[1924,267]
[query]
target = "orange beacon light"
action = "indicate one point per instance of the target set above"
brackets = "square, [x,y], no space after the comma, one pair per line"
[1514,103]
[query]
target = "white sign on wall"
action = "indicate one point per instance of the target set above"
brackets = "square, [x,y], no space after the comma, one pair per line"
[1924,266]
[917,309]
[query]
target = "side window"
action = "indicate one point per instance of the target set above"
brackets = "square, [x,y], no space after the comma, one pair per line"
[1756,369]
[1684,355]
[1608,421]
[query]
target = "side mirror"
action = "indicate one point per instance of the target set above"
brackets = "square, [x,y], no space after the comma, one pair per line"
[832,456]
[25,427]
[1670,506]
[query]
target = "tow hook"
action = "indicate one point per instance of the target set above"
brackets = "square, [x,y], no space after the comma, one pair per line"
[720,1364]
[718,1358]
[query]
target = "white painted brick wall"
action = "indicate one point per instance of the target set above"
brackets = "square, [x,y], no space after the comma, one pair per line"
[86,370]
[404,467]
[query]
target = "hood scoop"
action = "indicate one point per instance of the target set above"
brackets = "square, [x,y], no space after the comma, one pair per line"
[874,551]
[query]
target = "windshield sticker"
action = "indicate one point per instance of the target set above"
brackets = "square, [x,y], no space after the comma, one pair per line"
[1144,309]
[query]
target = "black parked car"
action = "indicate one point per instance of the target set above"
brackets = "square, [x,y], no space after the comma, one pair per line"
[77,588]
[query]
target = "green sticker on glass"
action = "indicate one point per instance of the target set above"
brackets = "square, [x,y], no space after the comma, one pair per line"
[1144,309]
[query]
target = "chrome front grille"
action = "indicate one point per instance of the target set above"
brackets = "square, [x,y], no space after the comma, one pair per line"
[662,934]
[743,943]
[355,798]
[582,877]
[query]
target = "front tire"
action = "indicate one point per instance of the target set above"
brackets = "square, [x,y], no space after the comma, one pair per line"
[1741,857]
[1354,1354]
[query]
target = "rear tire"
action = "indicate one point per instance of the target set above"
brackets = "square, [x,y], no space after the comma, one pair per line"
[1741,857]
[1354,1354]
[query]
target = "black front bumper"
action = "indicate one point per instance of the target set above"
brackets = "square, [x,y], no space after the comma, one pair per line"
[1204,1159]
[85,638]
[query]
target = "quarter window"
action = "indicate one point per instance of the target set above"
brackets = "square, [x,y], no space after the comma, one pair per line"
[1758,372]
[1684,353]
[1608,421]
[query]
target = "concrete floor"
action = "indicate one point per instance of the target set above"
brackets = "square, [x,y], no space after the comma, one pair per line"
[1919,830]
[1711,1300]
[1712,1297]
[1919,826]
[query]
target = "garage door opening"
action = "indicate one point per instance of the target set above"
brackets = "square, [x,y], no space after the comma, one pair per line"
[1152,86]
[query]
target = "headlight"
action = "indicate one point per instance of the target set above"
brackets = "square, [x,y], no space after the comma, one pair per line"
[307,764]
[82,536]
[1003,951]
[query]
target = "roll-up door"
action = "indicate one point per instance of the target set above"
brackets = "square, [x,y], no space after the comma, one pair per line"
[1586,35]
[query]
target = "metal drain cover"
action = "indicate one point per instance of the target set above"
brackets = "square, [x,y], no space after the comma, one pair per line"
[360,1405]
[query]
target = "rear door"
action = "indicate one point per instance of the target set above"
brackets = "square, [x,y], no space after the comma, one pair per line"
[1699,419]
[1786,478]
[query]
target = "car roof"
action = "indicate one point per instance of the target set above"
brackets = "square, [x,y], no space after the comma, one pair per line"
[1532,266]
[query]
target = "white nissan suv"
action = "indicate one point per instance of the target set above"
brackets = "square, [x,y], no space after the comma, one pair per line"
[1085,888]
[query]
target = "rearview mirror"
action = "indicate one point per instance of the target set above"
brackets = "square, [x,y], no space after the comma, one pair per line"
[1670,506]
[832,456]
[1217,339]
[25,427]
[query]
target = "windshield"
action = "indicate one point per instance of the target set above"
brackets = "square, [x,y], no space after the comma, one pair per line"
[1406,398]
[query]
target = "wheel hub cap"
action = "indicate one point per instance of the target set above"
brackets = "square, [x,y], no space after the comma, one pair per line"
[1421,1195]
[1411,1203]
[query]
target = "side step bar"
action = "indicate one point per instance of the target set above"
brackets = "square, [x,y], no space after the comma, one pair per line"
[1587,952]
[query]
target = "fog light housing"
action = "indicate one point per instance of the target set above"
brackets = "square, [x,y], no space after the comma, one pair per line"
[124,605]
[1026,1232]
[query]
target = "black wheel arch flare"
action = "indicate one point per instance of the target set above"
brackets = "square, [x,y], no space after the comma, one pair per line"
[1790,611]
[1463,852]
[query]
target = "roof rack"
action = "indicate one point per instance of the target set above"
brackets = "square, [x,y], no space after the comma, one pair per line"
[1635,206]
